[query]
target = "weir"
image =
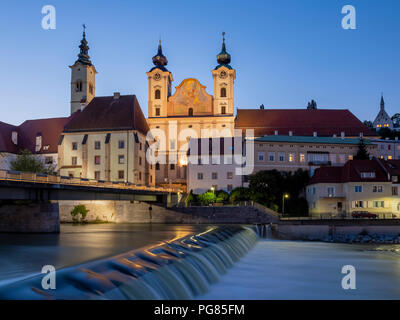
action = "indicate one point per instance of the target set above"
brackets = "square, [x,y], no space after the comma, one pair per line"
[179,269]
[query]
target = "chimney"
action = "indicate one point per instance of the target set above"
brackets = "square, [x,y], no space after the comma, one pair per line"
[14,137]
[290,133]
[276,132]
[315,134]
[342,134]
[117,95]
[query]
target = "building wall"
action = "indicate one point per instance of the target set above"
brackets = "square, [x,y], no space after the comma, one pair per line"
[320,203]
[337,155]
[5,159]
[222,181]
[387,149]
[134,166]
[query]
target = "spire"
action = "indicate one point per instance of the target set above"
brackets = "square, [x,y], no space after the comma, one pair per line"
[83,56]
[382,103]
[223,58]
[159,60]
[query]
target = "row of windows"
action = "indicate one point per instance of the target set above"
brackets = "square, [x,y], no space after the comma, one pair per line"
[331,191]
[214,175]
[97,160]
[79,87]
[359,189]
[311,157]
[97,145]
[190,111]
[121,175]
[265,145]
[364,204]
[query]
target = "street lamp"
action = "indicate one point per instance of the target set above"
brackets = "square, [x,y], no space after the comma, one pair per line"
[213,189]
[284,196]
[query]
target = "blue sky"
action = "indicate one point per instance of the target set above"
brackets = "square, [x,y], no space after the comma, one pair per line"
[285,52]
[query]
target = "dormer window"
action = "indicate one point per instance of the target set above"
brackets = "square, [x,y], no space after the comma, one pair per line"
[368,175]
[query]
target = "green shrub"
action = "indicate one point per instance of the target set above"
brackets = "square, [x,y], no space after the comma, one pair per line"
[79,210]
[239,194]
[222,196]
[207,198]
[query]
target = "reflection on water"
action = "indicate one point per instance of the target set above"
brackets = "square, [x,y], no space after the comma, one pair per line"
[25,254]
[311,270]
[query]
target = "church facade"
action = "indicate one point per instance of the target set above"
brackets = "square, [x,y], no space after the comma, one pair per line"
[189,113]
[383,120]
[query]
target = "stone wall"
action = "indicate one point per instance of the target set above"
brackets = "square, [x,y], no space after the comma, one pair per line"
[138,212]
[29,218]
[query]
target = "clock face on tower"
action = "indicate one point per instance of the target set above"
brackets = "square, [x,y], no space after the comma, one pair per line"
[223,74]
[157,76]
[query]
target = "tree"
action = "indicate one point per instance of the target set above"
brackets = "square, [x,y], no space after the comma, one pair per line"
[396,120]
[369,125]
[222,196]
[207,198]
[191,198]
[27,162]
[79,210]
[362,153]
[239,194]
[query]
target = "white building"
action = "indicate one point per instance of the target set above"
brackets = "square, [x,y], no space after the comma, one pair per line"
[212,164]
[387,149]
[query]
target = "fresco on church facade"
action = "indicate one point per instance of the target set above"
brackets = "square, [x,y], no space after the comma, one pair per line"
[190,94]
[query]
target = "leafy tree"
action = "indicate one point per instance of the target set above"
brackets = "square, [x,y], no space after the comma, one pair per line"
[207,198]
[79,210]
[362,153]
[396,120]
[239,194]
[27,162]
[222,196]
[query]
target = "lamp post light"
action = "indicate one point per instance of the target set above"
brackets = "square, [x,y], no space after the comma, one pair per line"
[284,196]
[213,189]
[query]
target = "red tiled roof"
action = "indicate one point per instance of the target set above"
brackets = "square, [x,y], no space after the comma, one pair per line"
[6,145]
[392,166]
[107,113]
[302,122]
[49,129]
[350,172]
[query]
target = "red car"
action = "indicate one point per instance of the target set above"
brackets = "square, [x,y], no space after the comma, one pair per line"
[364,214]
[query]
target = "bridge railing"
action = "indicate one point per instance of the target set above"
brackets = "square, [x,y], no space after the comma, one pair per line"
[54,179]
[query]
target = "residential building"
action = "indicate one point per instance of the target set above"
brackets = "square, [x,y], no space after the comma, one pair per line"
[213,163]
[387,149]
[290,153]
[107,141]
[382,120]
[360,185]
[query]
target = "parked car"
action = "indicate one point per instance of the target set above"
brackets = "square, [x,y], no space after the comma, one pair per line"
[364,214]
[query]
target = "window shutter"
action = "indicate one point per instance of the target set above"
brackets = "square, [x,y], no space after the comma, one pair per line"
[370,204]
[353,204]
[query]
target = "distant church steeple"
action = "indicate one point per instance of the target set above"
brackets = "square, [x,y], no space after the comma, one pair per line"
[83,76]
[382,103]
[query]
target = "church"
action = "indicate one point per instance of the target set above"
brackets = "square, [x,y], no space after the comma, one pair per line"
[187,112]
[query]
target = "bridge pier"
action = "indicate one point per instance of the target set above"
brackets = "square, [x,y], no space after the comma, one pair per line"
[29,217]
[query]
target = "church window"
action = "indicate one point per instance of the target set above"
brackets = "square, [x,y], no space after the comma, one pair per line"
[157,94]
[223,110]
[79,86]
[190,112]
[91,89]
[223,92]
[157,166]
[157,112]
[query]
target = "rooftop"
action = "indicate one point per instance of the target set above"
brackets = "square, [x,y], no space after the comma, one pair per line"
[313,140]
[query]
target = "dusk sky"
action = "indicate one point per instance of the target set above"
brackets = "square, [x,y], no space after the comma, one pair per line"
[285,52]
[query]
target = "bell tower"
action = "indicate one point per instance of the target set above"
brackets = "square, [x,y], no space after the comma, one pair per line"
[224,76]
[83,76]
[159,79]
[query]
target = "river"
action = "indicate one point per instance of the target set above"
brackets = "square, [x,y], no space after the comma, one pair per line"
[271,270]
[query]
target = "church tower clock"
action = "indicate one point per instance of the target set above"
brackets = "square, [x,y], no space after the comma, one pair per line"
[83,75]
[224,76]
[159,79]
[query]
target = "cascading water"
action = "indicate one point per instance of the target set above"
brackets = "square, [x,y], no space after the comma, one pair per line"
[180,269]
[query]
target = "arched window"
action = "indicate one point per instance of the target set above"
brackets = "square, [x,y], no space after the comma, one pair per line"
[78,86]
[91,89]
[157,166]
[157,94]
[190,112]
[223,92]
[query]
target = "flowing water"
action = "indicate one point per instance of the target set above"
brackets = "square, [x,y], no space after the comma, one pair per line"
[193,262]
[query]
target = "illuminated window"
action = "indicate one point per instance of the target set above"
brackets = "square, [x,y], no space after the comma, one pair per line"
[390,157]
[291,157]
[350,157]
[379,204]
[229,175]
[302,157]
